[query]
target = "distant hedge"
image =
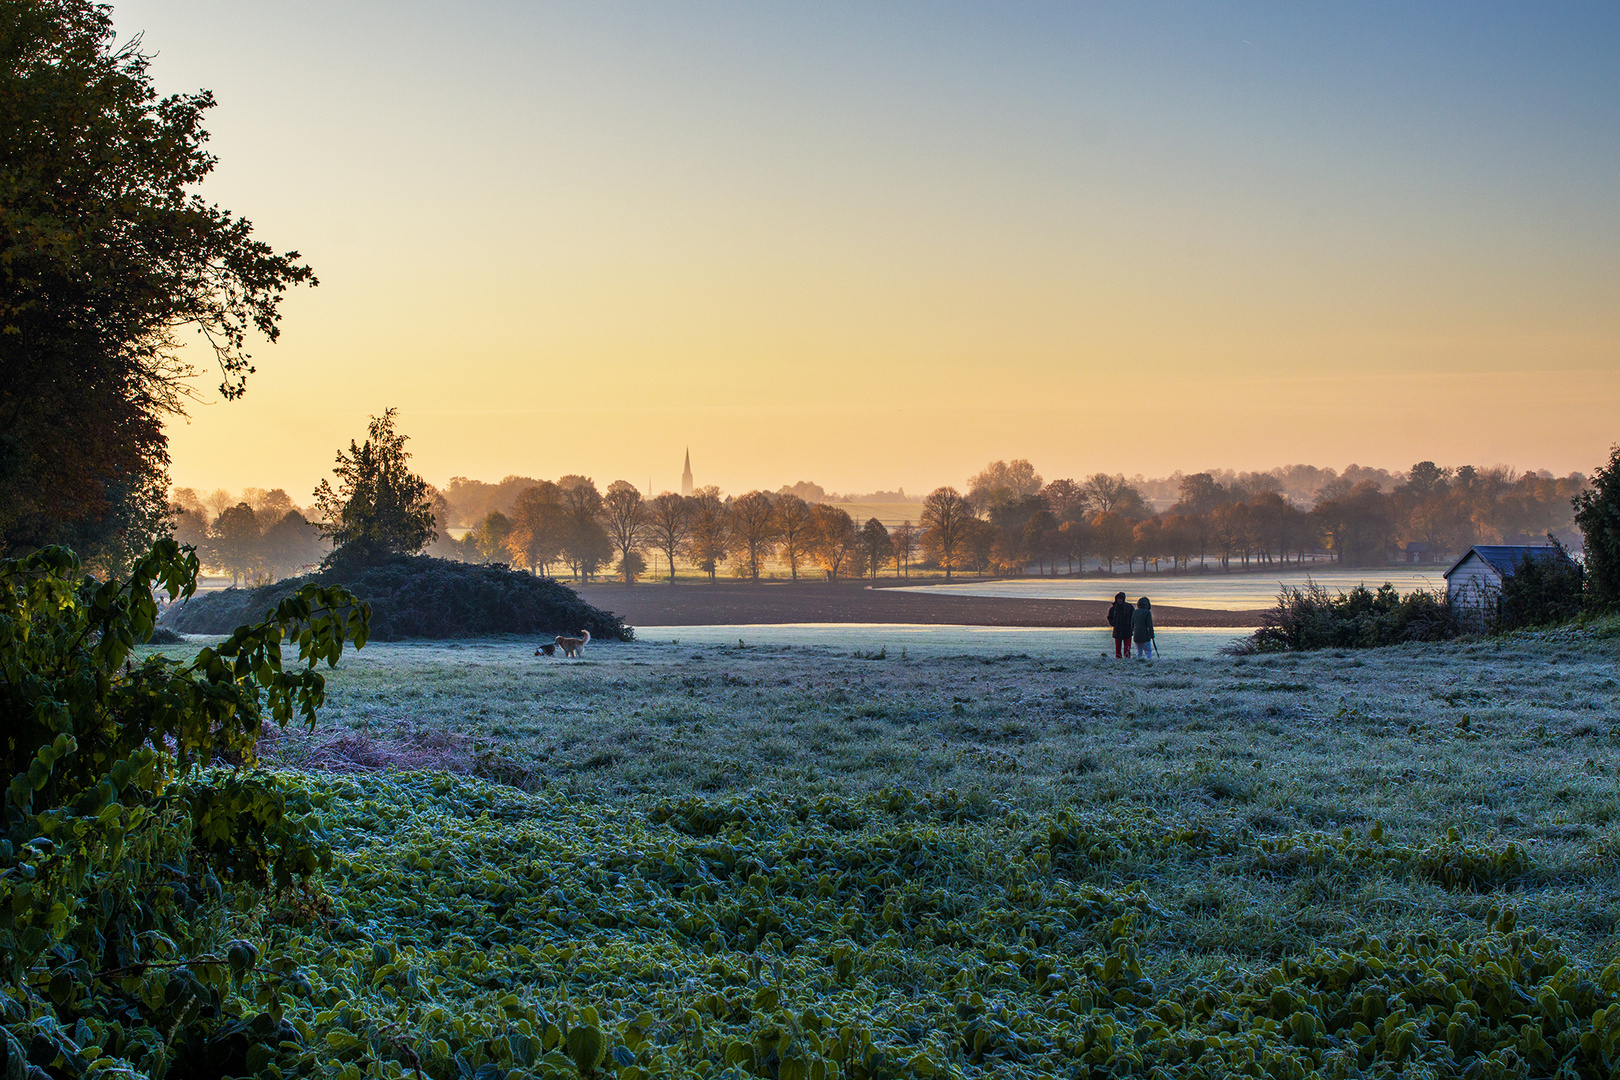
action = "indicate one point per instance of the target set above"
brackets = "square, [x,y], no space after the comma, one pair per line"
[416,596]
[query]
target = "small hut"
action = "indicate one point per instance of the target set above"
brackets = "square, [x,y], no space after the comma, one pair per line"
[1421,551]
[1476,578]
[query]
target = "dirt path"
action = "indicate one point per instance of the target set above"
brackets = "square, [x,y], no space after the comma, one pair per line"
[744,603]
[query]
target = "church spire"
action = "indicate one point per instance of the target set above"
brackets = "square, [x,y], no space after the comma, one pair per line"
[686,476]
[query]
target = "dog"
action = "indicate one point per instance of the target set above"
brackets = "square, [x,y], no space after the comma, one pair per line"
[548,650]
[573,646]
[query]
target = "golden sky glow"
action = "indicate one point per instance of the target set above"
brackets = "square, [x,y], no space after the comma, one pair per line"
[875,247]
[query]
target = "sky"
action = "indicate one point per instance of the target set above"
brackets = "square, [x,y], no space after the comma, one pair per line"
[879,245]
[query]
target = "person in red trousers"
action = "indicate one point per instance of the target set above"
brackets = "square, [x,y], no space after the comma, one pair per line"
[1119,617]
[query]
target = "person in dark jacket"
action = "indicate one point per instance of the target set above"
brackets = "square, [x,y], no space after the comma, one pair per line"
[1142,630]
[1119,617]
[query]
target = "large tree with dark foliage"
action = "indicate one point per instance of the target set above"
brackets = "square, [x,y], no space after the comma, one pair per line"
[106,255]
[1597,512]
[379,507]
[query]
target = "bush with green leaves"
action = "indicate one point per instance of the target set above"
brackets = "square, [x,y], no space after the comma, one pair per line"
[132,811]
[1313,618]
[1544,589]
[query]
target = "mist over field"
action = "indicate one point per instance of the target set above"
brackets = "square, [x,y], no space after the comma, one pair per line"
[1008,520]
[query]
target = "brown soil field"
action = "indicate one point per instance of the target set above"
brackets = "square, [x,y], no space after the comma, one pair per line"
[726,603]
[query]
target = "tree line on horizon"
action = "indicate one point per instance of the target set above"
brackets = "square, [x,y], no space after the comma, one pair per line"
[258,537]
[1008,521]
[570,524]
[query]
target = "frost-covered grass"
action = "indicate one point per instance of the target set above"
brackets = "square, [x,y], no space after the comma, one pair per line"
[1512,741]
[799,862]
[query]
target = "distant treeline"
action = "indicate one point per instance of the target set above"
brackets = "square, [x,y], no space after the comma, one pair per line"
[257,537]
[467,502]
[573,527]
[1009,520]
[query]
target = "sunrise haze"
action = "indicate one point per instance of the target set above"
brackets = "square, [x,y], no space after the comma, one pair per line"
[878,246]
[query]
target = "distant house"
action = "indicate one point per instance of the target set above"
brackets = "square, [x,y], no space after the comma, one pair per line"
[1421,551]
[1476,578]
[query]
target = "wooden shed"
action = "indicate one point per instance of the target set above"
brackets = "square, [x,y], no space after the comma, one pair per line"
[1476,578]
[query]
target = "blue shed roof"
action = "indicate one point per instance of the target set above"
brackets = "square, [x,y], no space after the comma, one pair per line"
[1505,558]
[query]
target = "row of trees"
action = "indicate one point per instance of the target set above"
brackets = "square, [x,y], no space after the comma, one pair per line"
[571,524]
[1008,521]
[1243,523]
[1361,515]
[252,538]
[1430,514]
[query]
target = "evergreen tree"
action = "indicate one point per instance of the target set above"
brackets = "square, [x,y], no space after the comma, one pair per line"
[380,507]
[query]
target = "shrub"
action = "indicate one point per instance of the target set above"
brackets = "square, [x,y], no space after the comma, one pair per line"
[117,842]
[1597,512]
[423,597]
[1312,618]
[1540,591]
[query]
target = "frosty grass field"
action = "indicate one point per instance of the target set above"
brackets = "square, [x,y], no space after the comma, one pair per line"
[934,641]
[816,857]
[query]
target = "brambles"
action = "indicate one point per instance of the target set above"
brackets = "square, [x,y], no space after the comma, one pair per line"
[1541,591]
[1452,862]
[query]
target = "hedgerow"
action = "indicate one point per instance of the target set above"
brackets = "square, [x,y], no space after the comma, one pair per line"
[417,596]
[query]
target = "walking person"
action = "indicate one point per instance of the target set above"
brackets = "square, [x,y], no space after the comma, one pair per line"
[1119,617]
[1142,630]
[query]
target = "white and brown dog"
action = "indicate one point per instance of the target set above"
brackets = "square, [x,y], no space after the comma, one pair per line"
[573,646]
